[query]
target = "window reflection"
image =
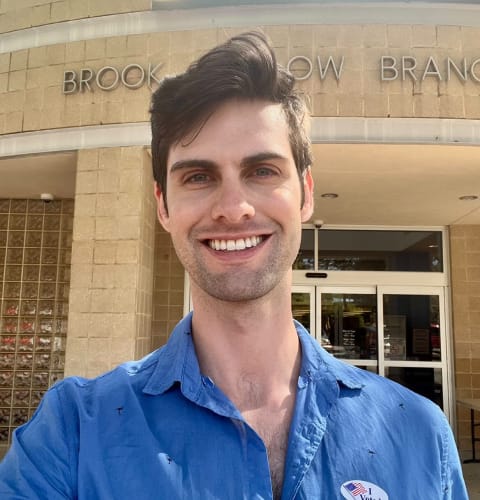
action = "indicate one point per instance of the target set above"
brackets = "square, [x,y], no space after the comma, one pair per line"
[349,325]
[412,327]
[358,250]
[301,308]
[424,381]
[306,255]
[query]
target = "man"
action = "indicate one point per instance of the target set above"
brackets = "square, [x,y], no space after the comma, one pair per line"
[241,403]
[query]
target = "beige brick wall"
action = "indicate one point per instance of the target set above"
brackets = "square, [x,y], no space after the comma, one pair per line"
[168,288]
[21,14]
[31,80]
[465,265]
[112,260]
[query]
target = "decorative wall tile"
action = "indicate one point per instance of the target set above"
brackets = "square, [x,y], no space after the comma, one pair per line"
[34,222]
[16,239]
[34,239]
[31,273]
[35,249]
[32,255]
[13,273]
[17,222]
[5,398]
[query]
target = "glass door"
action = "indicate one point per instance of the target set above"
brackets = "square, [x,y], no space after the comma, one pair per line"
[397,332]
[303,307]
[412,330]
[348,319]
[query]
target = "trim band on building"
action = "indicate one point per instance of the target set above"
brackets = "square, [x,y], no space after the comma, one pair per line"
[323,129]
[222,17]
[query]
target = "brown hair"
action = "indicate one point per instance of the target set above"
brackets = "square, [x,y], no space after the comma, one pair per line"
[243,67]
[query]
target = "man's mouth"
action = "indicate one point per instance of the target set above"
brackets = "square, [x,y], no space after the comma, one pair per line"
[235,245]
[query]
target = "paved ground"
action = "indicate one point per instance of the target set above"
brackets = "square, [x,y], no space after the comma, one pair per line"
[471,473]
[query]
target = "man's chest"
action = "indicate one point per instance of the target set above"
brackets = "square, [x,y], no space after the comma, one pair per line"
[273,429]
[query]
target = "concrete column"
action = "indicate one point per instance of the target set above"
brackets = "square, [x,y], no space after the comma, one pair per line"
[112,260]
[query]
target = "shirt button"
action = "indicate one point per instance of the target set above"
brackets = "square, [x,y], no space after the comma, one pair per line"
[208,382]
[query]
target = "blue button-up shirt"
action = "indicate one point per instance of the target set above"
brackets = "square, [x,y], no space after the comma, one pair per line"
[158,429]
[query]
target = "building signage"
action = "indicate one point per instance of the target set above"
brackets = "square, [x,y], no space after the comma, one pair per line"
[390,68]
[132,76]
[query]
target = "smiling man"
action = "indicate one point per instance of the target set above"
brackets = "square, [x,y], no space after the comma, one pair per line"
[241,403]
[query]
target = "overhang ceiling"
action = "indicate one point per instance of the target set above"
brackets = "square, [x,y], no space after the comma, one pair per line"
[29,176]
[398,185]
[405,185]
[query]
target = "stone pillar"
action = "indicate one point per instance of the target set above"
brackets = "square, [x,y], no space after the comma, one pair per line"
[112,260]
[465,265]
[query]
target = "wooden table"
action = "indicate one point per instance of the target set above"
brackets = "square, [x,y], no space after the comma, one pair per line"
[474,405]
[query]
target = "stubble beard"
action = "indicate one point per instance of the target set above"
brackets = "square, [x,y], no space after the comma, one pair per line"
[239,284]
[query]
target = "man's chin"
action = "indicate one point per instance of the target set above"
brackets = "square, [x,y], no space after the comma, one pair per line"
[234,290]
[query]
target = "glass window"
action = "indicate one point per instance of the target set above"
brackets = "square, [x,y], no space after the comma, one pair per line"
[411,327]
[358,250]
[306,255]
[424,381]
[349,325]
[301,309]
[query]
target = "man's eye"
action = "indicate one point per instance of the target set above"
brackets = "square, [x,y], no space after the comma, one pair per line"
[264,172]
[197,179]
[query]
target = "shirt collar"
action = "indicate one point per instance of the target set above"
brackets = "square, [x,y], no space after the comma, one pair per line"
[178,363]
[315,360]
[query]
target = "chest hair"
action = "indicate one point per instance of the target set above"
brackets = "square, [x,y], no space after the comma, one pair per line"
[273,428]
[271,423]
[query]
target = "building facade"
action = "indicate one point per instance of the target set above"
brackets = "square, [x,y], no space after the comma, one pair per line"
[89,279]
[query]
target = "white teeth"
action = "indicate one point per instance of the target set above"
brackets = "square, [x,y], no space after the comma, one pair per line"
[240,245]
[235,245]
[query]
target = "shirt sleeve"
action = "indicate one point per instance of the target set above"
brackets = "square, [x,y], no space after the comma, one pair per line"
[40,461]
[453,482]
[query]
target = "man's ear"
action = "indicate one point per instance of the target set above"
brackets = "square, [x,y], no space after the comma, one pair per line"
[162,212]
[307,207]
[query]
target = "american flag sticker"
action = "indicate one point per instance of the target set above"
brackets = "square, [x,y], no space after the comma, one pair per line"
[357,489]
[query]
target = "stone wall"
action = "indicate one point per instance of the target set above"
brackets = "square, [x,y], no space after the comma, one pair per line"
[31,79]
[465,266]
[112,260]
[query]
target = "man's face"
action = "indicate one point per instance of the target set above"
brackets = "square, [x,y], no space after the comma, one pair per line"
[234,202]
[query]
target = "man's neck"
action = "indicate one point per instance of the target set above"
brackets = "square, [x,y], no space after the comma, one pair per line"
[245,347]
[251,351]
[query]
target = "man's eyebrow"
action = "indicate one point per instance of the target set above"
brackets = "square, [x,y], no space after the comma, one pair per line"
[259,157]
[210,165]
[191,163]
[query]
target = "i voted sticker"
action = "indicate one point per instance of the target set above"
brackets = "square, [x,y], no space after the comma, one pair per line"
[357,489]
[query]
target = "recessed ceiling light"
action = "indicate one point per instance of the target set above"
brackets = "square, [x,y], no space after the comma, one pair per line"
[468,197]
[329,195]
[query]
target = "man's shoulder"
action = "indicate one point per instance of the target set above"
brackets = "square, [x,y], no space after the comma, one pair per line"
[129,376]
[135,374]
[368,392]
[386,398]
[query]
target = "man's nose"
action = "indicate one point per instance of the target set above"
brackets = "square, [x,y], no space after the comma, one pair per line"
[232,204]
